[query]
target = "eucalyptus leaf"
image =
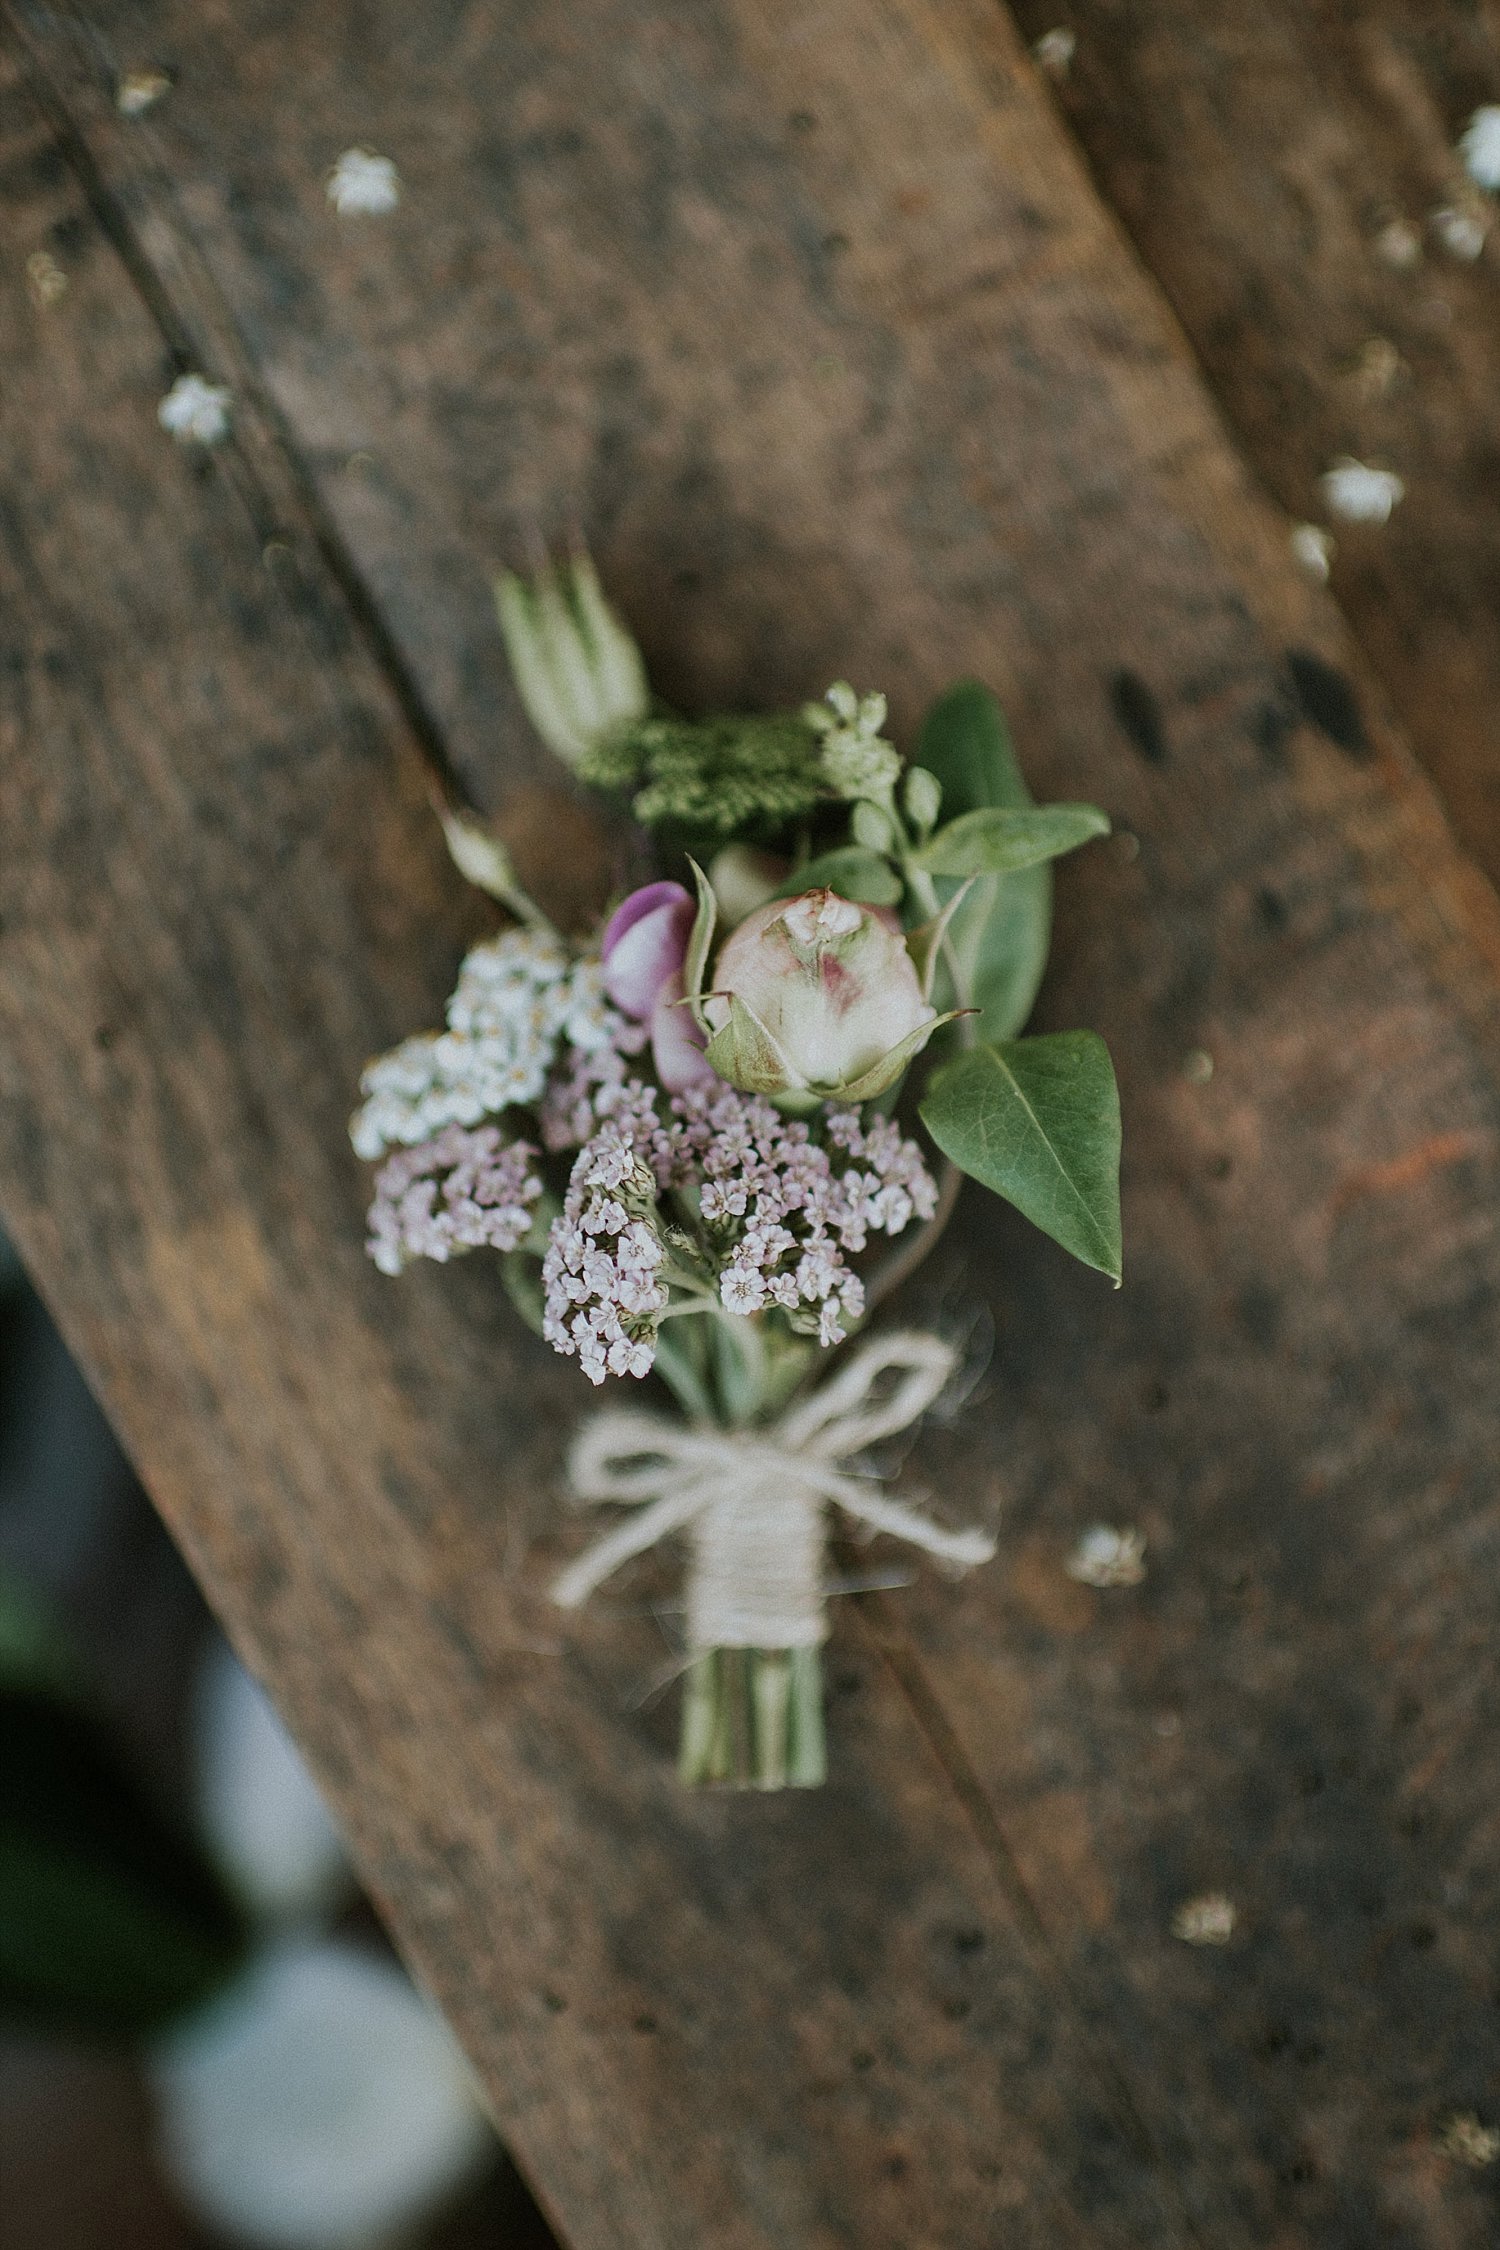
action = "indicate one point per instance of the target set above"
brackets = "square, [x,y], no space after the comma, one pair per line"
[1001,934]
[1038,1121]
[852,872]
[997,842]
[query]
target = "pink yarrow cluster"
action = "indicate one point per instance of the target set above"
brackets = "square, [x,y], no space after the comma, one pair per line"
[461,1190]
[791,1209]
[781,1211]
[604,1297]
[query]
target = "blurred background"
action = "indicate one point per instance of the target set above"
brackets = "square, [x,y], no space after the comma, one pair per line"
[205,2038]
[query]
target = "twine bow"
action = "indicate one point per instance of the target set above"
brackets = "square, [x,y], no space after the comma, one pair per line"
[753,1501]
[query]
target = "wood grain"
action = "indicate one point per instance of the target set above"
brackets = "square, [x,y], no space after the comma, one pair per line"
[811,318]
[1261,158]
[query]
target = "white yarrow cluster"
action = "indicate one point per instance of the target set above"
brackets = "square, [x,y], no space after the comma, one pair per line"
[601,1275]
[520,998]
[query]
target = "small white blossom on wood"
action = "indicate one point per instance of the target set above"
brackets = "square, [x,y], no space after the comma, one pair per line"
[1105,1556]
[140,90]
[1480,146]
[45,277]
[1357,493]
[363,185]
[1209,1920]
[1467,2141]
[1399,245]
[1461,233]
[1313,548]
[1055,50]
[195,412]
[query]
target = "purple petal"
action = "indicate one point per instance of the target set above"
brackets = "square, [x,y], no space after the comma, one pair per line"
[644,946]
[676,1042]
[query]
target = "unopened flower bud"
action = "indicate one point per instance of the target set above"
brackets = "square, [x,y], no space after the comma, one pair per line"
[579,673]
[814,997]
[856,762]
[871,825]
[922,797]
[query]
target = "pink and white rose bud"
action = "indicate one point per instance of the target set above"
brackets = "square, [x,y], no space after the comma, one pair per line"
[643,950]
[829,1002]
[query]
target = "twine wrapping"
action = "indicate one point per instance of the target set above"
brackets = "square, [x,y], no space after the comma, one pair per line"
[752,1502]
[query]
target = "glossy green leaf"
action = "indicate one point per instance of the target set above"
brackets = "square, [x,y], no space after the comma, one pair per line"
[996,842]
[1003,930]
[1038,1120]
[853,872]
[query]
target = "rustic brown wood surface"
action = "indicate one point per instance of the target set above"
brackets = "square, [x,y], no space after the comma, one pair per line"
[1291,175]
[812,320]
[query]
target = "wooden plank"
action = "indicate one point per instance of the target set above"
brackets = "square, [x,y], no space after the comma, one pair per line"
[222,888]
[1283,170]
[814,321]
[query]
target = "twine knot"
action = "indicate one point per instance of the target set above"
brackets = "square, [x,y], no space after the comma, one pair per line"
[753,1502]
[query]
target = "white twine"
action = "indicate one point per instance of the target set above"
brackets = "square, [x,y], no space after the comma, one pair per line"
[753,1503]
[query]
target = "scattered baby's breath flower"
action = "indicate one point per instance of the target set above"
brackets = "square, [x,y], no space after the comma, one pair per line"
[1106,1556]
[45,278]
[140,90]
[1358,493]
[1467,2141]
[1461,233]
[1055,50]
[1398,245]
[1313,548]
[1209,1920]
[363,185]
[1479,146]
[196,412]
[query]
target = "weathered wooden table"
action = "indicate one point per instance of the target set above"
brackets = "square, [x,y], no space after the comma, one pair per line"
[812,317]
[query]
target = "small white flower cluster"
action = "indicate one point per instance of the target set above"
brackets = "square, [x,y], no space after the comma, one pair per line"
[459,1191]
[856,762]
[786,1209]
[601,1274]
[519,999]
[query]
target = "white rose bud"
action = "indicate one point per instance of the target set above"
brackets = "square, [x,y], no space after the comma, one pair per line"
[816,998]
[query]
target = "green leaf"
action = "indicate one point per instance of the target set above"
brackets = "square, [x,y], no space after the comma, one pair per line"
[1002,933]
[853,872]
[1038,1120]
[700,938]
[995,842]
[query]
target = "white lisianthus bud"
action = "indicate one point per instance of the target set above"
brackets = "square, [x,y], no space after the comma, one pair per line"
[579,672]
[815,998]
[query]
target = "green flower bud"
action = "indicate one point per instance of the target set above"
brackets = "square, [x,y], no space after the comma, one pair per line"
[579,673]
[922,797]
[871,825]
